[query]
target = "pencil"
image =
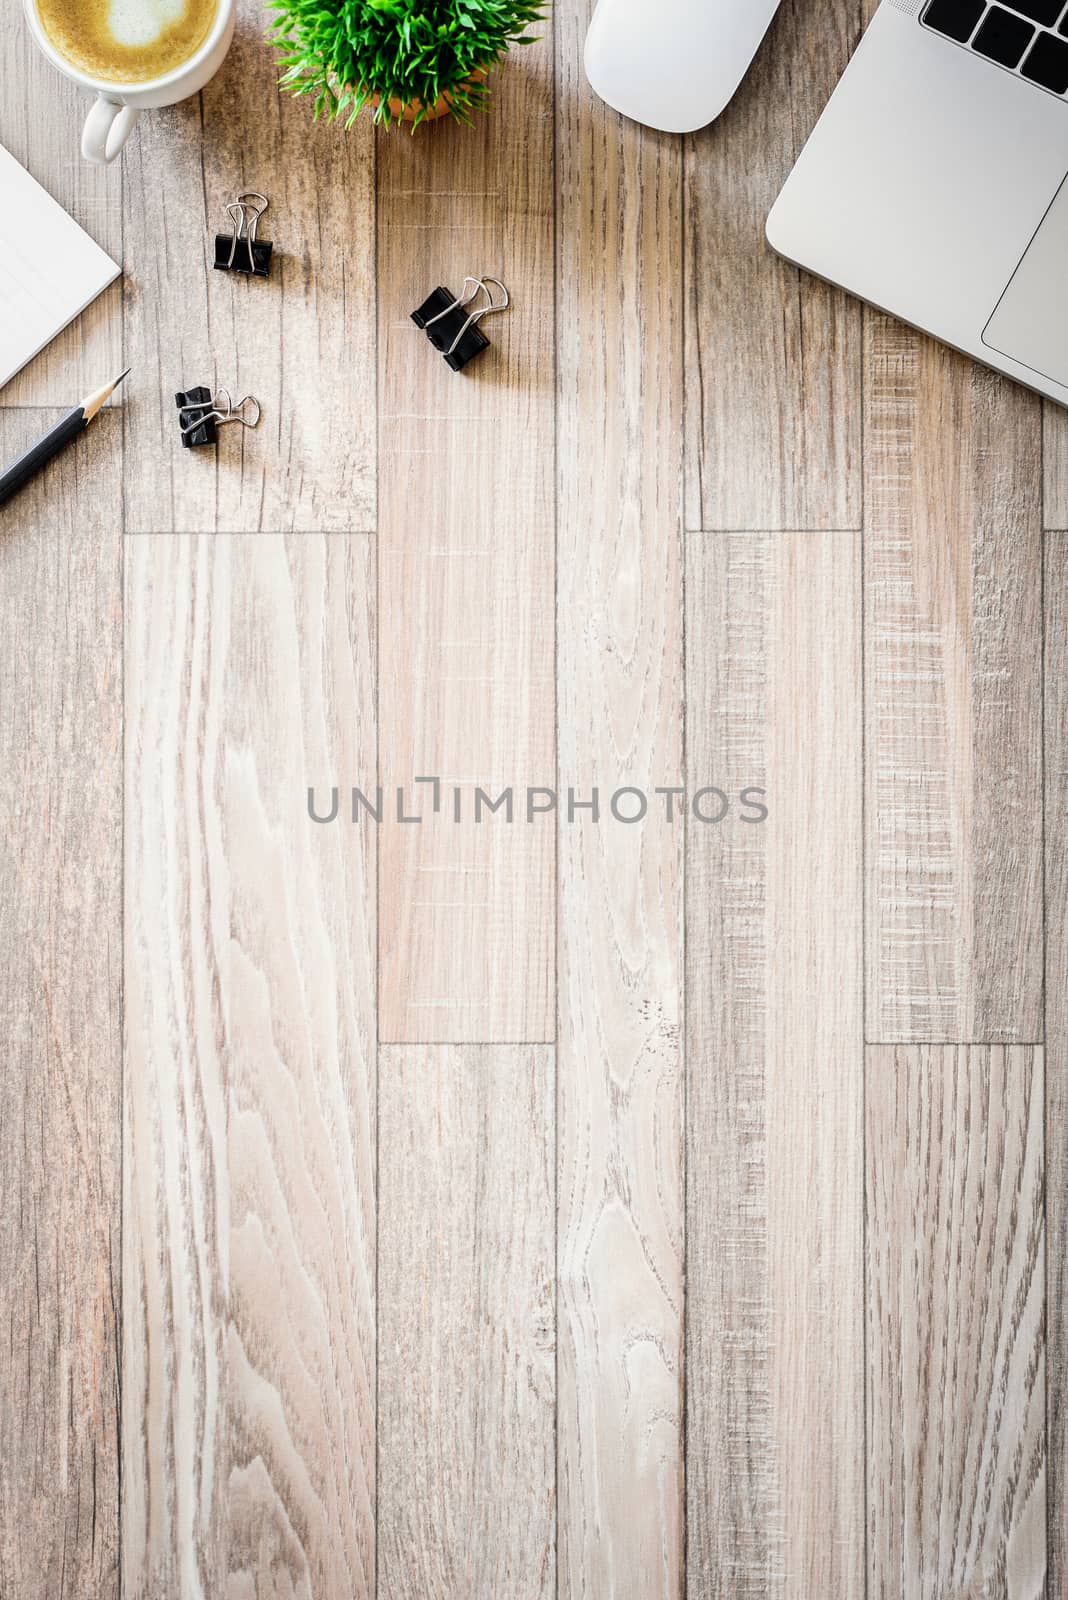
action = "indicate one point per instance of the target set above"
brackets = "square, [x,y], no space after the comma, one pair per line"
[49,444]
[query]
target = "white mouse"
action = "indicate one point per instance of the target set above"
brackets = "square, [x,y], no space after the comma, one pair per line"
[673,64]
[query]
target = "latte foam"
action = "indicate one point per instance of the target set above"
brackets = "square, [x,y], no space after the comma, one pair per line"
[127,41]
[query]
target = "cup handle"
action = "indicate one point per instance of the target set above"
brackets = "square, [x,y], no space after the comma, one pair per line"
[107,128]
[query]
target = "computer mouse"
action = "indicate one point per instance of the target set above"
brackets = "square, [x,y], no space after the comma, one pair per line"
[673,64]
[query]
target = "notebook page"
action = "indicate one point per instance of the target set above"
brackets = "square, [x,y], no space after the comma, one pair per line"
[49,268]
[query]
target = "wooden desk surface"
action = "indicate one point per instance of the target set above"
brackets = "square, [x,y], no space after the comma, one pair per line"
[566,1207]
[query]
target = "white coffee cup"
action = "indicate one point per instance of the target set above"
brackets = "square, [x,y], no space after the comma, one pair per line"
[118,105]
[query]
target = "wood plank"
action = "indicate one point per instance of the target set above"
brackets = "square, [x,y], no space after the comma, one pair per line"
[466,1324]
[1056,707]
[41,117]
[953,577]
[248,1319]
[956,1348]
[774,1098]
[60,1000]
[773,356]
[302,342]
[1055,466]
[619,686]
[466,537]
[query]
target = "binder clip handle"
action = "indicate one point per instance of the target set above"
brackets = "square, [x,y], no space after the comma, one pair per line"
[201,411]
[483,311]
[246,253]
[235,414]
[461,301]
[457,337]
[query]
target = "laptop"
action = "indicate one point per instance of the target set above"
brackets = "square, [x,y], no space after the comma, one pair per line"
[935,184]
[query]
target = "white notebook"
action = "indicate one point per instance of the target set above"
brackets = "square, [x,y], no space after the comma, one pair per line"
[49,268]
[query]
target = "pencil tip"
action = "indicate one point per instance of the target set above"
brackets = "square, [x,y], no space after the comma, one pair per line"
[92,402]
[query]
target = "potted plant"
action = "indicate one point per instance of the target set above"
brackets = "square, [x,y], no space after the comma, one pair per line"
[410,60]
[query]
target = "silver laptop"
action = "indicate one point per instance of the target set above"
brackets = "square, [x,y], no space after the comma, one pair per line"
[935,184]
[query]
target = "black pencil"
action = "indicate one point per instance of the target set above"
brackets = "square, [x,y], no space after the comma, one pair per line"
[49,444]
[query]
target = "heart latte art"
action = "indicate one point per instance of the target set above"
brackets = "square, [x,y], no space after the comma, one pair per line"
[127,41]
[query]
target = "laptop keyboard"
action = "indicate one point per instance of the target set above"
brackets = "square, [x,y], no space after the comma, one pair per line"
[1026,36]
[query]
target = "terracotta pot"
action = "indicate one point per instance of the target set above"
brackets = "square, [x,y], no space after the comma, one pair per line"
[442,105]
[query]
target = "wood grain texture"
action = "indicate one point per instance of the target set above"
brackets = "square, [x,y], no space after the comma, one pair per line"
[41,117]
[956,1346]
[1055,459]
[774,1098]
[1056,1148]
[60,1026]
[773,356]
[953,579]
[619,685]
[248,1342]
[301,342]
[660,368]
[466,574]
[466,1324]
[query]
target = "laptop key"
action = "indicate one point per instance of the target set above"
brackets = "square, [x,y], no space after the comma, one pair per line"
[955,18]
[1048,63]
[1044,11]
[1003,38]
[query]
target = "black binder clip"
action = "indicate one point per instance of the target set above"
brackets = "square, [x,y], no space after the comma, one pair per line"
[200,413]
[241,251]
[457,335]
